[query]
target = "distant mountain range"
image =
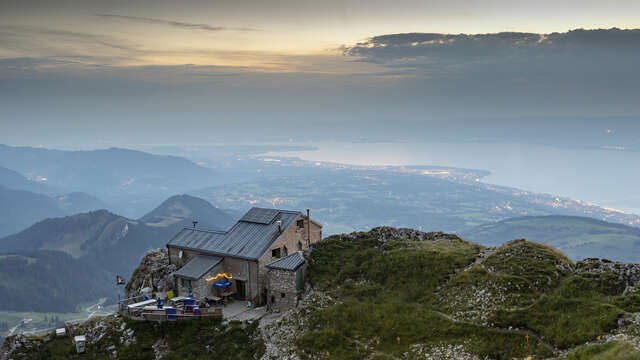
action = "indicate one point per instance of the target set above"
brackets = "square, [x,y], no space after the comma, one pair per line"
[19,209]
[23,202]
[578,237]
[130,181]
[89,249]
[14,180]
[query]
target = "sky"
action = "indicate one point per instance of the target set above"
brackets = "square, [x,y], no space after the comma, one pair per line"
[107,72]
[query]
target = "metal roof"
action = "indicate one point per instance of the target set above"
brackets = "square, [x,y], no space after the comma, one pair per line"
[291,262]
[198,267]
[260,216]
[249,238]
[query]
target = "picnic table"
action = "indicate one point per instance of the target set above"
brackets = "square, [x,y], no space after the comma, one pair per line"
[137,308]
[227,294]
[215,299]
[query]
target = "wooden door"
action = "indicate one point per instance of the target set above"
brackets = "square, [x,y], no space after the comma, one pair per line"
[241,290]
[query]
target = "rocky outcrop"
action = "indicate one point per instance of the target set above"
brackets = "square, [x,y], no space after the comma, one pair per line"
[386,233]
[628,274]
[281,331]
[12,343]
[103,335]
[153,272]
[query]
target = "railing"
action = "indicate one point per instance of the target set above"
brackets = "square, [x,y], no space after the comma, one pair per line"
[157,316]
[122,304]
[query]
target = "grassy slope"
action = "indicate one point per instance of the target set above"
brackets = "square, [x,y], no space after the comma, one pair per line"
[609,351]
[398,296]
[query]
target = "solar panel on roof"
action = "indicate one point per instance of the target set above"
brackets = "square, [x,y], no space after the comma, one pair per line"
[260,216]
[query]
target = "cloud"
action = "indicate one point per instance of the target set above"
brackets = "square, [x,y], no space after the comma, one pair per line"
[178,24]
[510,51]
[61,46]
[19,32]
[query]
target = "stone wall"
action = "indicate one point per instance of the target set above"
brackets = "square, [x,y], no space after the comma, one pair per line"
[282,294]
[289,239]
[293,239]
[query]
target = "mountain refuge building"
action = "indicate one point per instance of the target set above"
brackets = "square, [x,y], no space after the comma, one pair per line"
[258,260]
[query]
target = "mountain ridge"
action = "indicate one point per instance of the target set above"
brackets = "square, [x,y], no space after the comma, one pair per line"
[111,243]
[181,210]
[21,208]
[579,237]
[130,181]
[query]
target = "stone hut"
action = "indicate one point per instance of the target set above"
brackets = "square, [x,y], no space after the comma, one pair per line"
[260,237]
[285,282]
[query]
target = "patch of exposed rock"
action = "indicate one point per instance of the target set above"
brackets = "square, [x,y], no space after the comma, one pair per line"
[444,351]
[153,272]
[628,274]
[387,233]
[280,332]
[160,348]
[104,334]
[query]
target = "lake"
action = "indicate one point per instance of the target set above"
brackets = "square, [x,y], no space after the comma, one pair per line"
[609,178]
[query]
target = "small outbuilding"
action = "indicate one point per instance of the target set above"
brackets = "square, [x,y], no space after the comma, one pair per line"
[285,281]
[81,342]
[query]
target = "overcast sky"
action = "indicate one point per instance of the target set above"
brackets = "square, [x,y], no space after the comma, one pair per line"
[110,72]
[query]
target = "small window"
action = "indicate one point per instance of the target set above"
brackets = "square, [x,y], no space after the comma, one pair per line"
[273,299]
[299,246]
[186,283]
[180,254]
[275,253]
[286,251]
[282,295]
[300,224]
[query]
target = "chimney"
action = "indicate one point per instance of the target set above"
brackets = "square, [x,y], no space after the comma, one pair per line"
[308,228]
[279,222]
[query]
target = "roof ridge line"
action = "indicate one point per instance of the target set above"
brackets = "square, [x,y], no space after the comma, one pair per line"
[276,209]
[213,231]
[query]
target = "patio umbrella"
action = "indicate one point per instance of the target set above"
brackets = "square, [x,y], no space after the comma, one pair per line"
[222,284]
